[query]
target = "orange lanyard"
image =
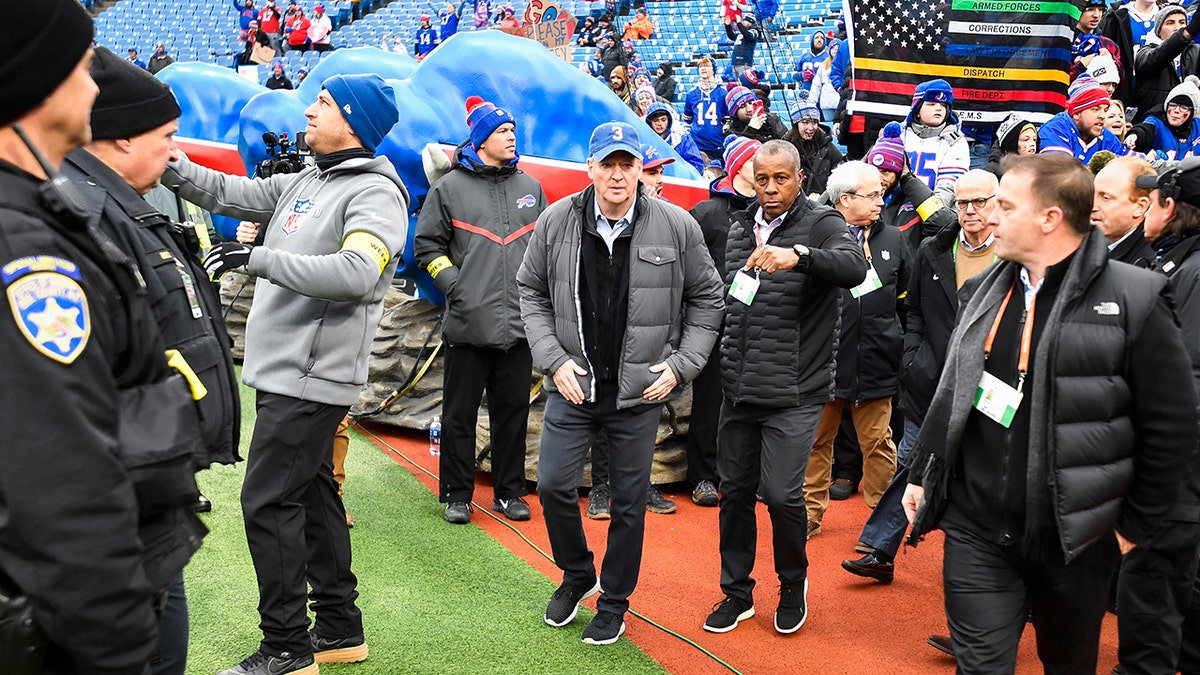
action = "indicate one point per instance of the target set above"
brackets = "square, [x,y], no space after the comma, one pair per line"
[866,248]
[1026,336]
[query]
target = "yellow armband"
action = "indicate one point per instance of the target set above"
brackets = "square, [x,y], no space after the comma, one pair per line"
[371,245]
[437,265]
[929,207]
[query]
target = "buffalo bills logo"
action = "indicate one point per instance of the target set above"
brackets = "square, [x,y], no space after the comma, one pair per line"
[296,215]
[527,201]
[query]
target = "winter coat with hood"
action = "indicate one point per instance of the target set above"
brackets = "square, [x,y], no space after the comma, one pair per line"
[479,218]
[807,64]
[938,155]
[818,157]
[664,86]
[679,138]
[675,295]
[1155,135]
[1155,72]
[821,93]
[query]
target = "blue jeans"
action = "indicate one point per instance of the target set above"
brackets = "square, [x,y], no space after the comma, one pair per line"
[885,527]
[979,155]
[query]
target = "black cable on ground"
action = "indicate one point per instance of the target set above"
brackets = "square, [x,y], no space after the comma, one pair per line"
[481,509]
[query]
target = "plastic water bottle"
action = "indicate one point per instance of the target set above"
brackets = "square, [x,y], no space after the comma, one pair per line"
[435,436]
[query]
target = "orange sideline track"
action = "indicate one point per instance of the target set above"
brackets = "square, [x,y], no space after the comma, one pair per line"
[854,626]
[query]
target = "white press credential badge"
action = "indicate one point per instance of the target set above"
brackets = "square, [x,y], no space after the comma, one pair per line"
[744,287]
[870,284]
[997,400]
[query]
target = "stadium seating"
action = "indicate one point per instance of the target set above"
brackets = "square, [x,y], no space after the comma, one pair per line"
[207,31]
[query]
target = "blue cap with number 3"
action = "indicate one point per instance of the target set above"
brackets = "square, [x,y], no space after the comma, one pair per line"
[611,137]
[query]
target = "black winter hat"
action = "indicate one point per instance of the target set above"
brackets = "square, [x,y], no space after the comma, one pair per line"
[50,37]
[131,100]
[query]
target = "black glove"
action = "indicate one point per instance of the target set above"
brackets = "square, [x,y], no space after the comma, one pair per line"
[225,257]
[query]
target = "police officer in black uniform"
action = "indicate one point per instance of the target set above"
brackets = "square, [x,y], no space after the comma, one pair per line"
[99,447]
[134,119]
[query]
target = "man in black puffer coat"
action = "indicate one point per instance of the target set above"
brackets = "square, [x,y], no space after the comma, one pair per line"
[1049,428]
[777,351]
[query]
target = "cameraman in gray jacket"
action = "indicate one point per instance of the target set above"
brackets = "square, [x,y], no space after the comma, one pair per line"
[332,243]
[621,305]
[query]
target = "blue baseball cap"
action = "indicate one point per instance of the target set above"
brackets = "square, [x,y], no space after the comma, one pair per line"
[611,137]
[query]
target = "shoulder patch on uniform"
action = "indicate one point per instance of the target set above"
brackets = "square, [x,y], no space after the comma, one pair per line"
[38,263]
[51,310]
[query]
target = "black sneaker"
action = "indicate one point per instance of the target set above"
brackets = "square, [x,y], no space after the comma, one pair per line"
[598,498]
[604,629]
[705,494]
[727,614]
[513,509]
[564,604]
[458,513]
[260,663]
[656,503]
[941,643]
[342,650]
[793,608]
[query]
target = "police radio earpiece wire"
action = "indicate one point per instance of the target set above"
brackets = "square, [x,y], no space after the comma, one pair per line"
[61,196]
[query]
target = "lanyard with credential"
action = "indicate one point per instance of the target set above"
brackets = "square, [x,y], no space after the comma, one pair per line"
[1026,336]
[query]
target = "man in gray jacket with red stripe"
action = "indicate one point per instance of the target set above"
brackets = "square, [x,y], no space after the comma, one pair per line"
[331,247]
[471,237]
[621,305]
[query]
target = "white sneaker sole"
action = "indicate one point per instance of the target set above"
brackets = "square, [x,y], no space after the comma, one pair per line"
[620,632]
[569,619]
[740,618]
[793,629]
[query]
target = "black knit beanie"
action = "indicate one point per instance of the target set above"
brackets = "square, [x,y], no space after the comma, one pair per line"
[47,38]
[131,100]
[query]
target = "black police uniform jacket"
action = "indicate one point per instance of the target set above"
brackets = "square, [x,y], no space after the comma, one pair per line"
[778,352]
[868,355]
[1112,447]
[175,284]
[98,484]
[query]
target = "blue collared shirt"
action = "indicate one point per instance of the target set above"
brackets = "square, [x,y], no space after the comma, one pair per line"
[607,232]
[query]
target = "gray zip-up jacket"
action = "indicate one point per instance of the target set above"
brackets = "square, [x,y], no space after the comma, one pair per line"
[331,249]
[675,302]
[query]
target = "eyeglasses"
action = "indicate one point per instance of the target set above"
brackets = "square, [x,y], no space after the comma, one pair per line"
[978,203]
[1178,108]
[870,195]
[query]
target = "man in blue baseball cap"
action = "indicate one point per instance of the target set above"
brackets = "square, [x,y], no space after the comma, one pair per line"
[333,238]
[597,260]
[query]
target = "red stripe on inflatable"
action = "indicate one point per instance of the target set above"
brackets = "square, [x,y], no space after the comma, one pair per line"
[219,157]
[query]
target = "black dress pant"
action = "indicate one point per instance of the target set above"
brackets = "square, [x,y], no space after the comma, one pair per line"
[702,427]
[764,450]
[505,375]
[567,431]
[1154,593]
[296,524]
[991,588]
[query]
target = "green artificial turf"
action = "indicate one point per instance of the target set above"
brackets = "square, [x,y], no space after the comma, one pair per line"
[435,598]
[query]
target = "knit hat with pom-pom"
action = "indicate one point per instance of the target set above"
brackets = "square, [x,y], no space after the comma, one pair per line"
[888,153]
[738,151]
[484,118]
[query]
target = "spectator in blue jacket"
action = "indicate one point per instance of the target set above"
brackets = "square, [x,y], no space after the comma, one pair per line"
[660,119]
[807,64]
[1079,130]
[448,18]
[133,58]
[425,40]
[748,37]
